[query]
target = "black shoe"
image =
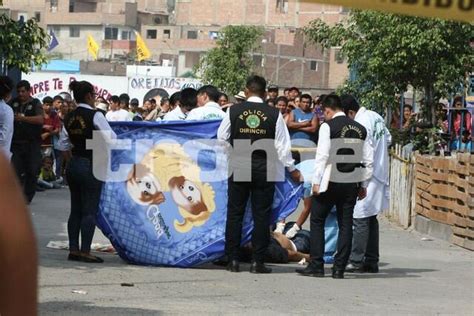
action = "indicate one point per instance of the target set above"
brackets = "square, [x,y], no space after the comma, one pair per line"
[233,266]
[353,268]
[74,257]
[311,271]
[257,267]
[371,268]
[337,274]
[222,262]
[91,259]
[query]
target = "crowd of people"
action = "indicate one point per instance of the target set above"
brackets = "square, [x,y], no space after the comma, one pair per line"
[45,141]
[453,125]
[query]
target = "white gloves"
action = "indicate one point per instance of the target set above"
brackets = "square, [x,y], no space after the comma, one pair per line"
[293,231]
[279,228]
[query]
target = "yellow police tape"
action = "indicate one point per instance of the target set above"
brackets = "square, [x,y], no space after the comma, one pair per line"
[460,10]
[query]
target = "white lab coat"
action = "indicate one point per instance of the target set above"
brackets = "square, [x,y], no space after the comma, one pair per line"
[379,187]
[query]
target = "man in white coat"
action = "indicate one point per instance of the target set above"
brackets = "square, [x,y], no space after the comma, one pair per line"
[365,243]
[207,106]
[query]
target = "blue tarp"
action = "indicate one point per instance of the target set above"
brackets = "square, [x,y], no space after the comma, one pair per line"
[146,218]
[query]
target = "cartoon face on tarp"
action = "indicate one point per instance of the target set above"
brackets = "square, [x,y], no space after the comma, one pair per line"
[167,168]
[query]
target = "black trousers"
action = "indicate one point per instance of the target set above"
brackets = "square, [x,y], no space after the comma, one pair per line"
[344,197]
[26,160]
[261,195]
[85,197]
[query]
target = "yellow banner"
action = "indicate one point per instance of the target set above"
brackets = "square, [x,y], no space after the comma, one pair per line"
[142,50]
[92,47]
[460,10]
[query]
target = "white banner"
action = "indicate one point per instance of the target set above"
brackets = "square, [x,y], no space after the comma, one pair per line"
[51,84]
[139,86]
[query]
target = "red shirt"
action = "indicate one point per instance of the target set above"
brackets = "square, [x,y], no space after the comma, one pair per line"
[50,120]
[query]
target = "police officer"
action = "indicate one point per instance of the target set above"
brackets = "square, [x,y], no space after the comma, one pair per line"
[252,121]
[84,187]
[26,142]
[338,185]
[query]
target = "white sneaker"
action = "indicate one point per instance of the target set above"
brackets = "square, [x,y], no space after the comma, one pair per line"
[280,227]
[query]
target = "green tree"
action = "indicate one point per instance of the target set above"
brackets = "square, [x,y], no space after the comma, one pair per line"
[22,45]
[228,65]
[389,52]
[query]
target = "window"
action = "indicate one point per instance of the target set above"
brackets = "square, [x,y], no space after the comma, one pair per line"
[53,5]
[38,16]
[192,34]
[151,34]
[313,65]
[166,33]
[213,35]
[282,6]
[111,33]
[338,56]
[126,35]
[74,31]
[71,5]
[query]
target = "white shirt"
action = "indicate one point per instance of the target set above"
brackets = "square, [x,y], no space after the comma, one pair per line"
[100,123]
[6,128]
[118,116]
[322,154]
[282,136]
[210,111]
[175,115]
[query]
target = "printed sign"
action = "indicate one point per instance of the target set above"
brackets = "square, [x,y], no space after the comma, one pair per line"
[51,84]
[141,85]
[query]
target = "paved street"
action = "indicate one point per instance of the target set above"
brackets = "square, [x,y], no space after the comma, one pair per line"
[416,277]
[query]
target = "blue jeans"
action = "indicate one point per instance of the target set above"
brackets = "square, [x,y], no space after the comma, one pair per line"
[58,159]
[85,196]
[365,242]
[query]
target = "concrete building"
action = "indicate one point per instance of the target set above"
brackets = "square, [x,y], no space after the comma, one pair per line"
[284,57]
[112,23]
[178,32]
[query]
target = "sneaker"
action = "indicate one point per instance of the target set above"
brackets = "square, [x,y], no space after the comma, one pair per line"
[354,268]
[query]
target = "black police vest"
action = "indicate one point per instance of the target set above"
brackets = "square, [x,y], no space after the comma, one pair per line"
[22,131]
[344,127]
[79,125]
[253,121]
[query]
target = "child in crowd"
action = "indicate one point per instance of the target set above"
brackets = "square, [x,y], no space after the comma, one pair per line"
[47,178]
